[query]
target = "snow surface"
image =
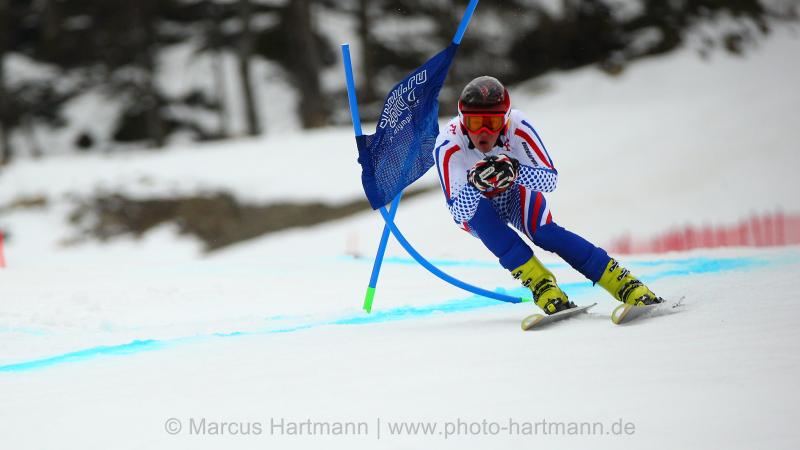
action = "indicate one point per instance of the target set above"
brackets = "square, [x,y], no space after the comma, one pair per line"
[103,343]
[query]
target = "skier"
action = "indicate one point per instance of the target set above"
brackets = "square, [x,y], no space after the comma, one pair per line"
[493,169]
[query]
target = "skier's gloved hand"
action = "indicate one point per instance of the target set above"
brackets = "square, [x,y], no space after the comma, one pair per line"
[494,174]
[480,175]
[507,171]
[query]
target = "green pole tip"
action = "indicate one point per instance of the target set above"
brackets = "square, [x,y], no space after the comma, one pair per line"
[368,299]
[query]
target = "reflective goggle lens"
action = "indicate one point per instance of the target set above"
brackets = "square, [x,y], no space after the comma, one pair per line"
[475,122]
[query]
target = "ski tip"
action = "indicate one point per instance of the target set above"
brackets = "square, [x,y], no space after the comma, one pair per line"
[535,319]
[626,313]
[531,321]
[619,313]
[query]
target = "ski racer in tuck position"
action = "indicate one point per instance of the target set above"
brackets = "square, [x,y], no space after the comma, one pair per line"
[493,168]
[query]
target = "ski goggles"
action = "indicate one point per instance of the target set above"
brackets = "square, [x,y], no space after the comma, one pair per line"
[477,122]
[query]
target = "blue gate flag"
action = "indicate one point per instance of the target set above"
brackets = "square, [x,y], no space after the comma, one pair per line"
[400,151]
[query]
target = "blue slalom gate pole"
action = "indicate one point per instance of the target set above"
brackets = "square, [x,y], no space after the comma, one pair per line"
[436,271]
[376,265]
[369,296]
[462,27]
[388,216]
[351,90]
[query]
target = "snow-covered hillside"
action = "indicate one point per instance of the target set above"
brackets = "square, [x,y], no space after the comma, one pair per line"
[103,344]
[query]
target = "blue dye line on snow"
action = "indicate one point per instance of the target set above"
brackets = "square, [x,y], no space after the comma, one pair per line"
[25,330]
[684,267]
[124,349]
[693,265]
[700,266]
[443,262]
[408,312]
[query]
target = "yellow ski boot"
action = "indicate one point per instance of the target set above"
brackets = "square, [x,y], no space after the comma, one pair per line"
[626,288]
[542,284]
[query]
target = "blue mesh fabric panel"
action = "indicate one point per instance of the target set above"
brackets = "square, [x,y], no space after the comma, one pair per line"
[537,179]
[463,206]
[466,200]
[400,150]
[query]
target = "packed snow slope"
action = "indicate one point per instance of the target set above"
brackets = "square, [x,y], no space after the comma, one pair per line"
[151,344]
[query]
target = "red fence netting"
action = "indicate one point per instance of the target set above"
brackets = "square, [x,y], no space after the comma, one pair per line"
[770,230]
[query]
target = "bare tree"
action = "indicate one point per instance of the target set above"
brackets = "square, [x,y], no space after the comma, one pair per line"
[245,49]
[306,64]
[144,35]
[214,42]
[50,25]
[5,129]
[367,59]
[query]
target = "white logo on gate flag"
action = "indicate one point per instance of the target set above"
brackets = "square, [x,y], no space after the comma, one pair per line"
[399,100]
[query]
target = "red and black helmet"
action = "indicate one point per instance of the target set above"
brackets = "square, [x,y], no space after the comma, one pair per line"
[484,95]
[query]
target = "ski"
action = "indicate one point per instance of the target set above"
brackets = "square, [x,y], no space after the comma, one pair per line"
[625,313]
[539,320]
